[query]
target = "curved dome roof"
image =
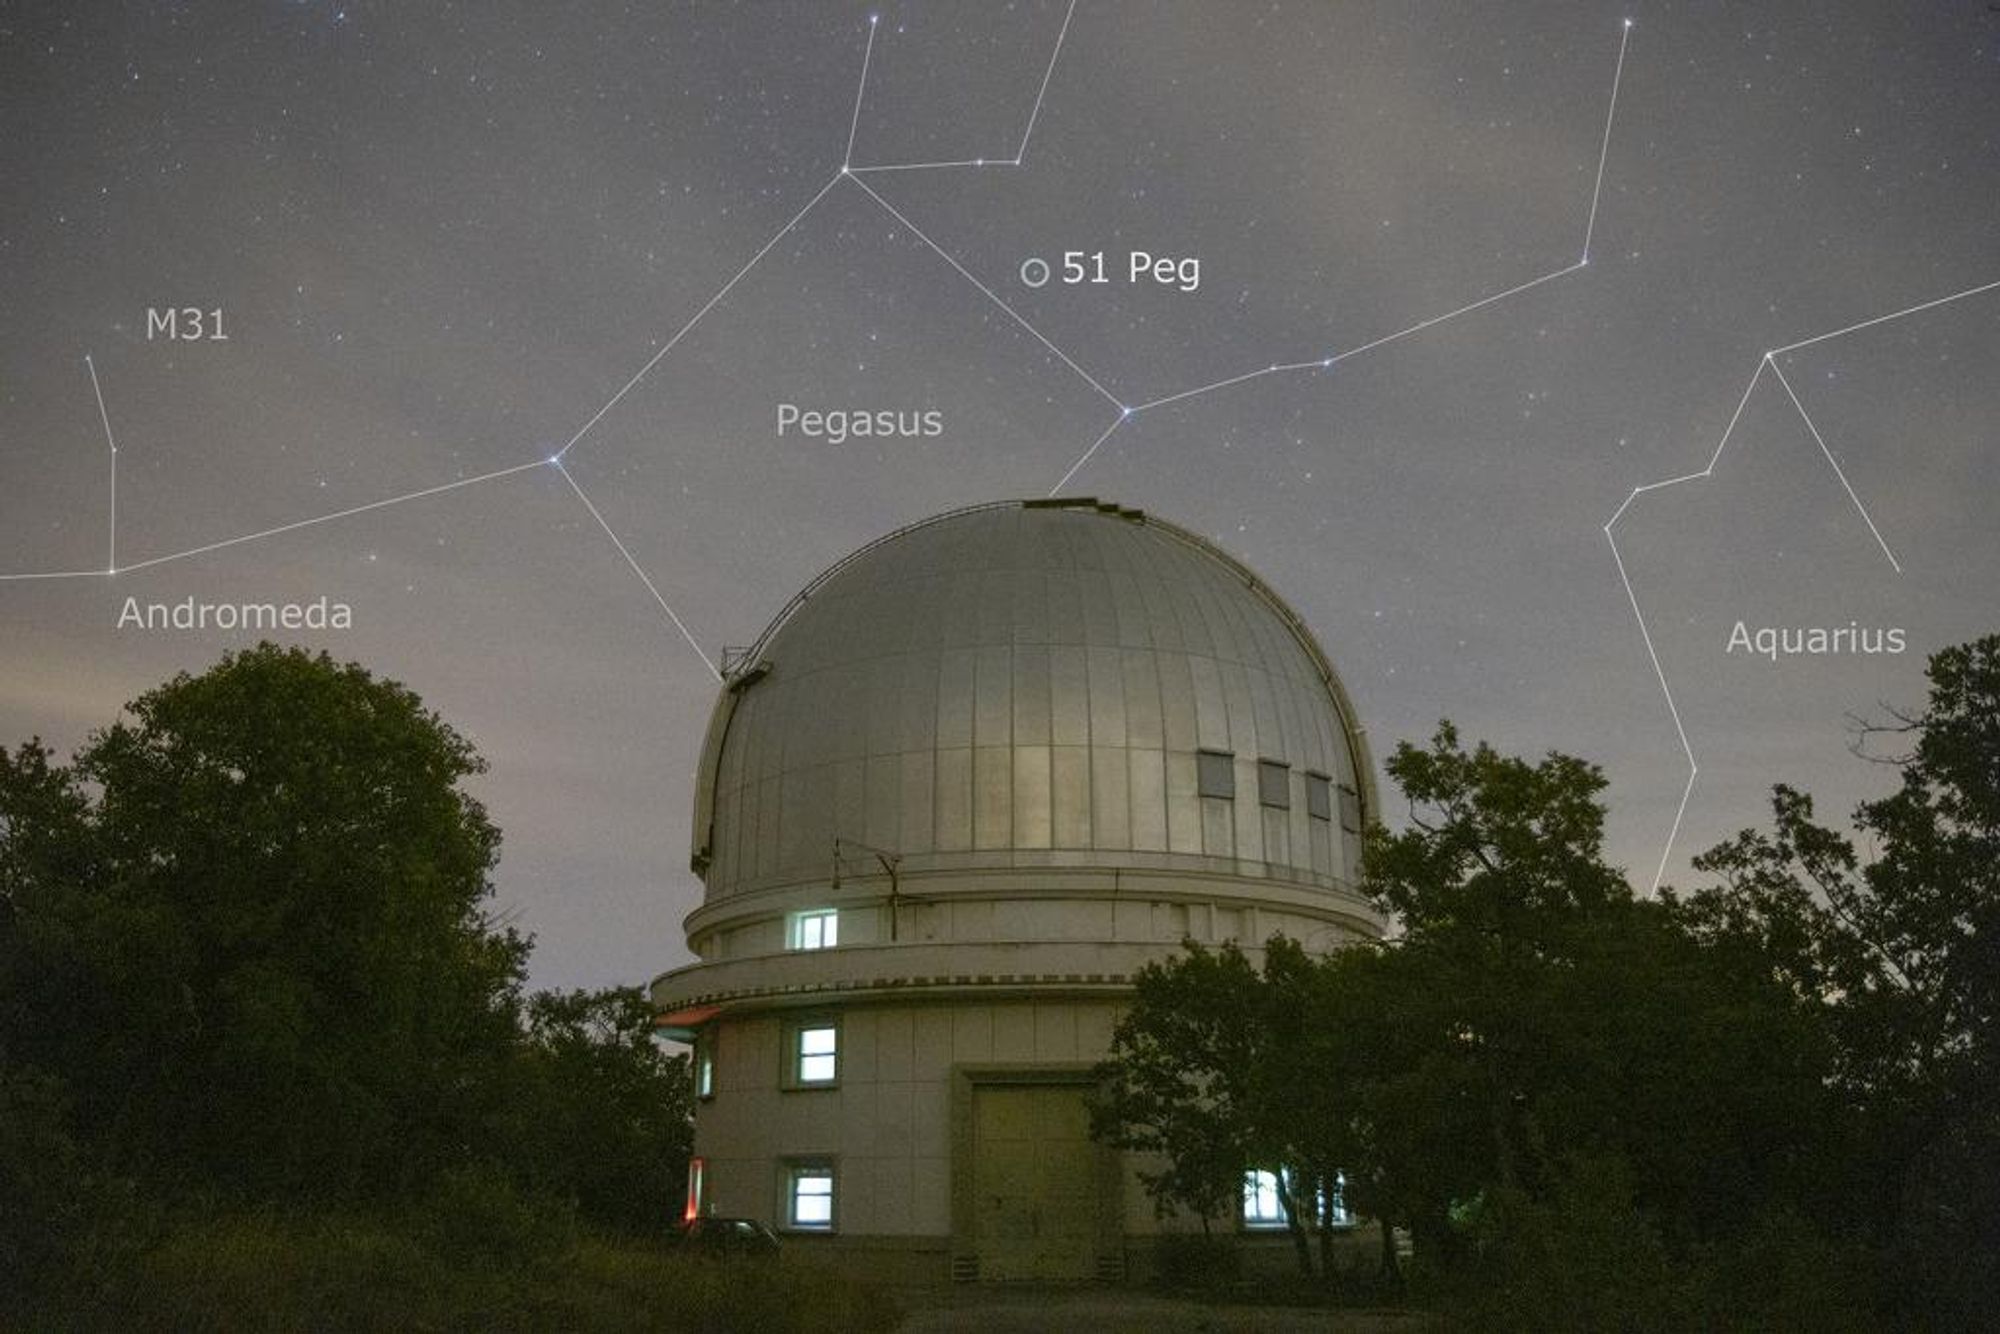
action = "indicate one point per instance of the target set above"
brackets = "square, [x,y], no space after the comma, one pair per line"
[1033,683]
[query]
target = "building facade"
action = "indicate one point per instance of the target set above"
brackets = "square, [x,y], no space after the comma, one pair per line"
[967,783]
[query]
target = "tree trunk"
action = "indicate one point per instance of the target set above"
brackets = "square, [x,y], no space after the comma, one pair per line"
[1293,1226]
[1392,1264]
[1326,1198]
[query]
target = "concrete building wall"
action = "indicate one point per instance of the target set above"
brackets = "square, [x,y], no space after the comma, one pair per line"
[887,1123]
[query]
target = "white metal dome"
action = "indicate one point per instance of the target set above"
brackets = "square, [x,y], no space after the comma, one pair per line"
[1034,684]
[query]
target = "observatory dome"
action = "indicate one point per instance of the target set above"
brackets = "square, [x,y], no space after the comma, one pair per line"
[970,783]
[1033,684]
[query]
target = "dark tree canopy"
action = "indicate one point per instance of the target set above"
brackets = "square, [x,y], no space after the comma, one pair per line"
[245,926]
[603,1114]
[1533,1052]
[1901,954]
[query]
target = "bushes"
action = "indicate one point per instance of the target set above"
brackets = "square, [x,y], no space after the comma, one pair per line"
[1587,1259]
[1199,1261]
[271,1270]
[1584,1259]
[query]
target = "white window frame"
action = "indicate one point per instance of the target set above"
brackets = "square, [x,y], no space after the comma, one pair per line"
[813,929]
[827,1060]
[798,1172]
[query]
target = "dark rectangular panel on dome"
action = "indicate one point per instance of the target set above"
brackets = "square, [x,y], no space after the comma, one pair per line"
[1350,809]
[1319,796]
[1215,773]
[1274,784]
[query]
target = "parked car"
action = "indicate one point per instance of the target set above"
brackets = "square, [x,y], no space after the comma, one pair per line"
[728,1236]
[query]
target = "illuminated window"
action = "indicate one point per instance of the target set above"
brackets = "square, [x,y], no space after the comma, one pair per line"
[817,929]
[818,1054]
[704,1066]
[1339,1215]
[697,1170]
[1261,1205]
[809,1196]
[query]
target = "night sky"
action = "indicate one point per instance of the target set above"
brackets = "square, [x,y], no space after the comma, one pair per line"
[444,237]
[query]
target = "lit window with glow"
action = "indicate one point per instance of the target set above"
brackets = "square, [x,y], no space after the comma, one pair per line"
[809,1197]
[697,1169]
[816,929]
[1261,1205]
[819,1054]
[704,1067]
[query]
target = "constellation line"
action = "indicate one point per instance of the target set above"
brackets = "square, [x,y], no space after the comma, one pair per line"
[637,569]
[1820,440]
[1604,148]
[495,475]
[668,346]
[967,274]
[1047,74]
[1116,422]
[1767,360]
[1034,113]
[1884,319]
[933,166]
[111,566]
[860,90]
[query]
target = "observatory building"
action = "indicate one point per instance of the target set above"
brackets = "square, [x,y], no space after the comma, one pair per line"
[965,785]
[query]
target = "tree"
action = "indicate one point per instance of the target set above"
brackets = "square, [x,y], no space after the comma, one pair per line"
[1552,1018]
[245,929]
[1535,1050]
[1901,954]
[603,1114]
[1180,1081]
[1212,1070]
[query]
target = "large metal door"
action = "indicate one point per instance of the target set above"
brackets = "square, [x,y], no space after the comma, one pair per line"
[1034,1181]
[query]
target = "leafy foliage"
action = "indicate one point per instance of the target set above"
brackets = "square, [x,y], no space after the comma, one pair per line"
[247,962]
[1901,955]
[244,928]
[603,1114]
[1540,1069]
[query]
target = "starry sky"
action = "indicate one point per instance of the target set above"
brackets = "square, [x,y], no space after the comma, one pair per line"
[445,238]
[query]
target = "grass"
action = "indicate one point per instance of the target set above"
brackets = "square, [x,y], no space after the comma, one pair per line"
[273,1271]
